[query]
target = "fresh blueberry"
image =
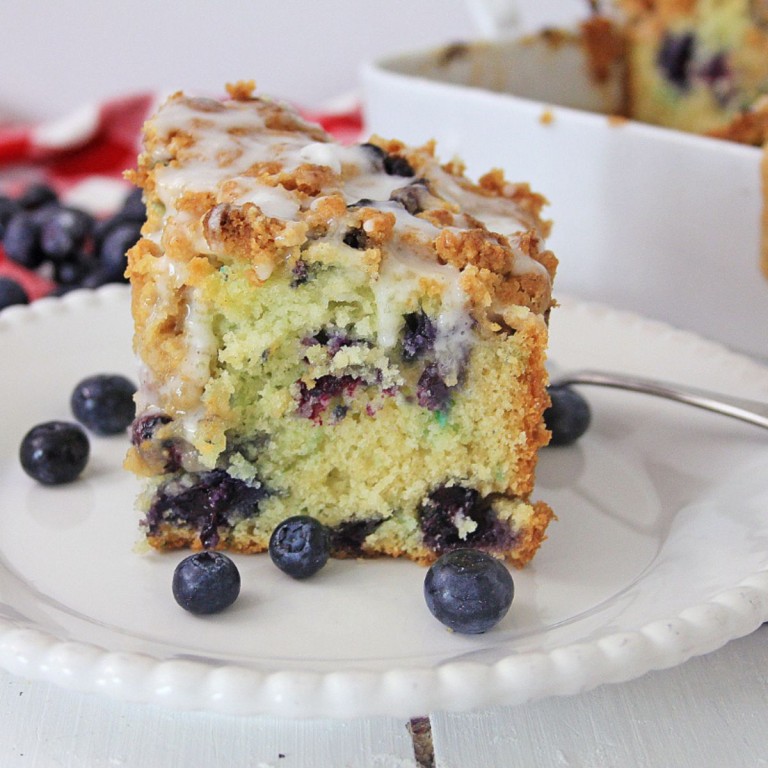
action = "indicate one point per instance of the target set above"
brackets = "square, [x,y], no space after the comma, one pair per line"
[21,240]
[114,247]
[133,207]
[8,207]
[36,196]
[469,591]
[73,270]
[11,293]
[63,290]
[64,232]
[104,403]
[54,452]
[568,417]
[104,227]
[300,546]
[98,277]
[206,582]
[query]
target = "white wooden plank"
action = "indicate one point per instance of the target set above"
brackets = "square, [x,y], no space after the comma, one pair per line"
[42,726]
[711,712]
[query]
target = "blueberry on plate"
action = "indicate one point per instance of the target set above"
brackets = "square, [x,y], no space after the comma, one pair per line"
[112,250]
[568,417]
[8,207]
[104,403]
[54,452]
[206,582]
[11,293]
[469,591]
[300,546]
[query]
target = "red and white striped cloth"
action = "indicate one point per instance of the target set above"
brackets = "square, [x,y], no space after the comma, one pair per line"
[83,156]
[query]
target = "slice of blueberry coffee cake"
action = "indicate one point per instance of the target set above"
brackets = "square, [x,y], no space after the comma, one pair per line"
[699,65]
[355,333]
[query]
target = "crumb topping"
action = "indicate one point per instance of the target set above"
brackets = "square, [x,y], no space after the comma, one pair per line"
[252,177]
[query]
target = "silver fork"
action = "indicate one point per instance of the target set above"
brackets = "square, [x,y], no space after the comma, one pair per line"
[751,411]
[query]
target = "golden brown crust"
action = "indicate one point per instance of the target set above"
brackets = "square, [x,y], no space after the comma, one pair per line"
[749,127]
[533,536]
[242,90]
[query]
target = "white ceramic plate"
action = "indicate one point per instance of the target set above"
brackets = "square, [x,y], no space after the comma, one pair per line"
[660,551]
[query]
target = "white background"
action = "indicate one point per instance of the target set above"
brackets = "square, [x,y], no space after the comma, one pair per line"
[59,54]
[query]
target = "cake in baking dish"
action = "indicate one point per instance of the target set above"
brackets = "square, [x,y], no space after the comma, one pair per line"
[698,65]
[356,333]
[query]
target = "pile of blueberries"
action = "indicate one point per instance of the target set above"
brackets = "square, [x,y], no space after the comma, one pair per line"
[467,590]
[67,244]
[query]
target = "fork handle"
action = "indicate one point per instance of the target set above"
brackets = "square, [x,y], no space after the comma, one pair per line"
[751,411]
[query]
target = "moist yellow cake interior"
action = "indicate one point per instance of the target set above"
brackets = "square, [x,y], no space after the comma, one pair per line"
[355,333]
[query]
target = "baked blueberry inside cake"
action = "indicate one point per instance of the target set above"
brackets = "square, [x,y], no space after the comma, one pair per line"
[355,333]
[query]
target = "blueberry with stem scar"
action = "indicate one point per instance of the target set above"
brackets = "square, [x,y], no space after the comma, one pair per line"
[206,582]
[300,546]
[469,591]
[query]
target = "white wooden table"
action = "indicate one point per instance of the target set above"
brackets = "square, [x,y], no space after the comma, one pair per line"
[710,711]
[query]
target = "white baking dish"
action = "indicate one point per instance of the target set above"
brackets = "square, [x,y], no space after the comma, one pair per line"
[653,220]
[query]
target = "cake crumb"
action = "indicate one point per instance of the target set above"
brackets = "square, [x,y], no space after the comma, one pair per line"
[242,90]
[617,121]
